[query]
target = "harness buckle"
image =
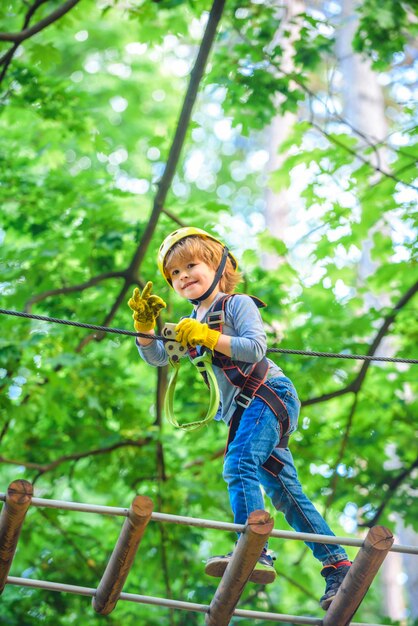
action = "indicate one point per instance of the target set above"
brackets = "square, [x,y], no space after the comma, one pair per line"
[243,400]
[216,318]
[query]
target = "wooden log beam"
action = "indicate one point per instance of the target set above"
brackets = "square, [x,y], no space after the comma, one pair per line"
[365,566]
[242,563]
[123,555]
[18,499]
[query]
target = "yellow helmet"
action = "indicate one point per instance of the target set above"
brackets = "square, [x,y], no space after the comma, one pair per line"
[178,235]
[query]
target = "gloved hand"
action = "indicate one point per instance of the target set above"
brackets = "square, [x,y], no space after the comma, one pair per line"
[191,332]
[146,308]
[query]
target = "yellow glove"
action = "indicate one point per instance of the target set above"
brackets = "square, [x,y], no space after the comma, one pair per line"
[146,308]
[191,332]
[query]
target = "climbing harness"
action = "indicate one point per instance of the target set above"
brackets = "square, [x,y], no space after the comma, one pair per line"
[203,364]
[251,385]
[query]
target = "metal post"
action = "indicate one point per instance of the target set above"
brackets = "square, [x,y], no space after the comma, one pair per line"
[123,555]
[17,502]
[242,563]
[360,576]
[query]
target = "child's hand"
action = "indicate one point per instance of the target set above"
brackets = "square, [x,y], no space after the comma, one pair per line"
[191,332]
[146,308]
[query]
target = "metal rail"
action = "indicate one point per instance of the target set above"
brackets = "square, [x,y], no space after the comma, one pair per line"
[171,604]
[206,523]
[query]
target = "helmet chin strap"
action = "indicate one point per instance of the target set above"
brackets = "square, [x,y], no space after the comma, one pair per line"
[216,279]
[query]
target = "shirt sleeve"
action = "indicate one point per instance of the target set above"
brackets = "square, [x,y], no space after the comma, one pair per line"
[248,342]
[154,353]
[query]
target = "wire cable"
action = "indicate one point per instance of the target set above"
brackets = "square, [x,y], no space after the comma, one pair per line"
[120,331]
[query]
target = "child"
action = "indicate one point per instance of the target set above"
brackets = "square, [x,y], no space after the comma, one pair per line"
[257,400]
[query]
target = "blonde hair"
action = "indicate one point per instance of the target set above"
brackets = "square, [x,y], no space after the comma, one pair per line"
[208,251]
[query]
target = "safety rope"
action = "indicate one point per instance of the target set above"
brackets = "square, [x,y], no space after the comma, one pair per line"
[204,364]
[119,331]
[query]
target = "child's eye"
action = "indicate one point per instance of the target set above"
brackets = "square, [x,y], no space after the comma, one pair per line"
[174,272]
[190,265]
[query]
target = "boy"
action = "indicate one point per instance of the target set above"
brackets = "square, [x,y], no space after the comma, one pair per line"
[257,400]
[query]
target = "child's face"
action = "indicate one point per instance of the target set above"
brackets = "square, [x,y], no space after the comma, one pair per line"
[192,277]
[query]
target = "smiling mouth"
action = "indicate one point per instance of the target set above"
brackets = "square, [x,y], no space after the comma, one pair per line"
[189,284]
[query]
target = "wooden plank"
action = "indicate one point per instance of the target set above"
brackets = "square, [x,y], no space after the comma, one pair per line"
[242,563]
[365,566]
[18,499]
[123,555]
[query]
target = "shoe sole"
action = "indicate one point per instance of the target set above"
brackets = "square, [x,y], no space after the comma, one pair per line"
[326,603]
[260,576]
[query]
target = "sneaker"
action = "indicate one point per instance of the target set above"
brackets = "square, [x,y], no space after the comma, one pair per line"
[334,576]
[263,573]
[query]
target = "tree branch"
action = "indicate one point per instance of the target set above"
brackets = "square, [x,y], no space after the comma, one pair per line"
[361,158]
[375,147]
[130,279]
[109,317]
[80,287]
[173,217]
[47,467]
[162,478]
[298,585]
[173,156]
[343,446]
[4,429]
[6,59]
[391,489]
[355,385]
[387,322]
[27,32]
[202,460]
[160,394]
[329,396]
[74,543]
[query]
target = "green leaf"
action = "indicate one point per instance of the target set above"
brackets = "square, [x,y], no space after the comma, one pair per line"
[44,56]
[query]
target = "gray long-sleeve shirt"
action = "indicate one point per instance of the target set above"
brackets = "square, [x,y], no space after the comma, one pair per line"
[248,345]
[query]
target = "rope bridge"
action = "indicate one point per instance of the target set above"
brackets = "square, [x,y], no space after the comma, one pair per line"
[372,552]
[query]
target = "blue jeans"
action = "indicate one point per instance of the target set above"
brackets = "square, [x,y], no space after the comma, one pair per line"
[256,437]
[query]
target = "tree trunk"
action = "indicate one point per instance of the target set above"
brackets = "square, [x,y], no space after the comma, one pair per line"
[364,106]
[409,536]
[364,110]
[277,204]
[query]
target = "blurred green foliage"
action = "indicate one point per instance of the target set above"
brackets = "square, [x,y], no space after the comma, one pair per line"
[89,110]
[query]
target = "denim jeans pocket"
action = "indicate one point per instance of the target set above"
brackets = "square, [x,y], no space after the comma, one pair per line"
[287,393]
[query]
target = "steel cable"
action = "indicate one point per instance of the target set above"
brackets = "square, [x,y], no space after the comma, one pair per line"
[131,333]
